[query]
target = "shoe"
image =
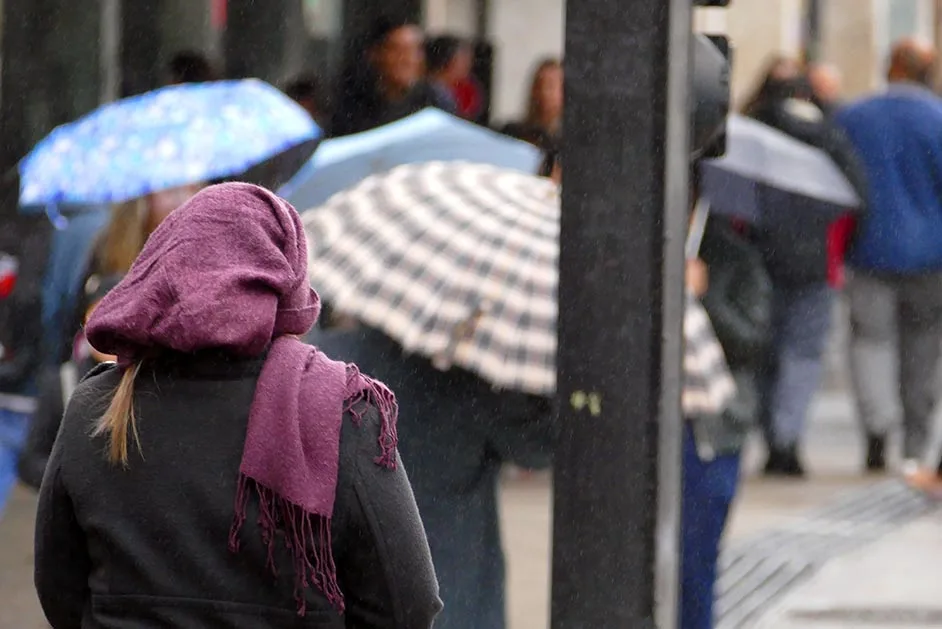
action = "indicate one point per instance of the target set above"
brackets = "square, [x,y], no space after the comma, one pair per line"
[792,464]
[784,462]
[876,453]
[910,467]
[773,464]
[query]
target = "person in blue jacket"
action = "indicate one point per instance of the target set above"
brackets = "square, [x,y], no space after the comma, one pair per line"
[895,284]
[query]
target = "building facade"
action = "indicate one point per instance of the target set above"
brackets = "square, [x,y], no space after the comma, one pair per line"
[856,36]
[859,41]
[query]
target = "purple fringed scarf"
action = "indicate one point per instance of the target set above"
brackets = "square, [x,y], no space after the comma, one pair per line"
[228,270]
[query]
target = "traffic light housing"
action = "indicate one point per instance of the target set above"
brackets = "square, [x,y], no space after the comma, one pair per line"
[711,58]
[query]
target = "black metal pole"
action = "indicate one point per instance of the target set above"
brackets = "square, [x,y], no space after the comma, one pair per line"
[482,24]
[617,466]
[60,60]
[16,80]
[265,40]
[812,41]
[109,60]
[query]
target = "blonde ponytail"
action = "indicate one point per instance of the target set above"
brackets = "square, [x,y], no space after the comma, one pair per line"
[119,419]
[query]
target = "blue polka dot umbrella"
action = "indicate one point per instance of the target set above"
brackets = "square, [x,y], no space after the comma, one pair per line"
[166,138]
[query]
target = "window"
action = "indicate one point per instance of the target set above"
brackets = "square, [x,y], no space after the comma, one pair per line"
[323,17]
[908,17]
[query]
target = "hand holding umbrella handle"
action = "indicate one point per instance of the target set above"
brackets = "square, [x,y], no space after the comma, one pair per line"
[697,277]
[462,331]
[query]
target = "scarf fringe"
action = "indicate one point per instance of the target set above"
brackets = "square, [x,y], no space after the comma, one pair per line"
[307,535]
[363,392]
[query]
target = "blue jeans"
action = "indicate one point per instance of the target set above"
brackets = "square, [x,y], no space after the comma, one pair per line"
[13,427]
[708,491]
[801,321]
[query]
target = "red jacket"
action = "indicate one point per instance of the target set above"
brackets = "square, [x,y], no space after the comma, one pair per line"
[839,237]
[468,97]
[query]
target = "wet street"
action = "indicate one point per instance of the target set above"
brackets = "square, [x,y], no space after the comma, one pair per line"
[20,609]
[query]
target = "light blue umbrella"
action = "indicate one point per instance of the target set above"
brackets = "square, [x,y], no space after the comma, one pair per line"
[162,139]
[765,171]
[428,136]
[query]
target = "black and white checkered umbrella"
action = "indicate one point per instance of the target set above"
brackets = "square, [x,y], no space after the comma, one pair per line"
[707,386]
[455,261]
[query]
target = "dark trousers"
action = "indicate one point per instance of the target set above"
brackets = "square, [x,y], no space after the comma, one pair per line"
[801,321]
[896,327]
[708,491]
[455,483]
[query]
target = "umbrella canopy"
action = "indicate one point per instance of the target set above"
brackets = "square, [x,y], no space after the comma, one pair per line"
[430,135]
[759,158]
[162,139]
[458,262]
[276,170]
[708,385]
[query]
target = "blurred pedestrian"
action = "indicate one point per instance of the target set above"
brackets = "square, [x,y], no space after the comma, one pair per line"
[735,290]
[214,400]
[56,384]
[132,222]
[63,283]
[20,361]
[449,61]
[190,66]
[895,286]
[24,245]
[826,86]
[387,81]
[542,124]
[470,97]
[456,433]
[805,260]
[305,90]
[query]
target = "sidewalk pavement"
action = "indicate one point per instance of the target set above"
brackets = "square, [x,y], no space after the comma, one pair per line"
[833,453]
[893,582]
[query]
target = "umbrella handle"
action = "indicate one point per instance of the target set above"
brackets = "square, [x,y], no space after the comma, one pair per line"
[55,217]
[462,331]
[698,221]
